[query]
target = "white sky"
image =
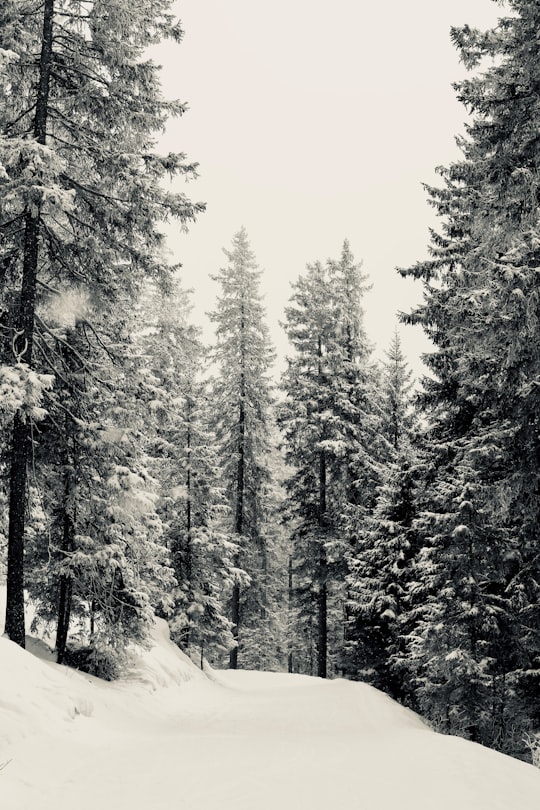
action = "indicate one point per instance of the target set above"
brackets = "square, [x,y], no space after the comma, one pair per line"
[314,122]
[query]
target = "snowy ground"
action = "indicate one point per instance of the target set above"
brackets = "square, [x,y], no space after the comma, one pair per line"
[170,738]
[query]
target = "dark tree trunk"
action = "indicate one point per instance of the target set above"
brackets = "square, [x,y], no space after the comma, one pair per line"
[188,561]
[64,614]
[322,629]
[20,451]
[264,578]
[235,618]
[322,573]
[66,583]
[239,511]
[21,445]
[322,611]
[66,590]
[290,596]
[238,520]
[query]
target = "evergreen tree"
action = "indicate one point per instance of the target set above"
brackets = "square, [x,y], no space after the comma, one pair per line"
[182,452]
[242,398]
[197,532]
[81,192]
[398,415]
[481,311]
[386,544]
[323,418]
[104,569]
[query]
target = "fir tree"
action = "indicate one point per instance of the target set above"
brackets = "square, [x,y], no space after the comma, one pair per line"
[182,452]
[104,569]
[481,311]
[81,192]
[386,543]
[242,397]
[265,643]
[323,418]
[398,415]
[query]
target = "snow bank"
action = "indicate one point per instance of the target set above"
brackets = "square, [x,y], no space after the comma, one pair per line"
[163,664]
[166,736]
[37,695]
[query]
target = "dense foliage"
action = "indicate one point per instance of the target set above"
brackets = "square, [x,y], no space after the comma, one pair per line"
[475,644]
[80,205]
[242,399]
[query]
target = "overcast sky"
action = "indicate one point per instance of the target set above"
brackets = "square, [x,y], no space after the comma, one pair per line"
[314,122]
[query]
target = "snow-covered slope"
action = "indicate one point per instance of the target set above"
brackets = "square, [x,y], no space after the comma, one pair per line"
[167,737]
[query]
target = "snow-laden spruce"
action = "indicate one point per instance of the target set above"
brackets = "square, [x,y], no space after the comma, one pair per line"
[241,396]
[473,645]
[81,200]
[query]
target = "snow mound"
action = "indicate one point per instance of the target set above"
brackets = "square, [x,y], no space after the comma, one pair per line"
[36,695]
[311,705]
[167,736]
[39,696]
[163,664]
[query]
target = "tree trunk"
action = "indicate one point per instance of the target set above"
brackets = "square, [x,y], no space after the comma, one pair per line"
[238,519]
[322,611]
[66,583]
[64,615]
[264,579]
[20,451]
[290,605]
[322,615]
[21,445]
[235,618]
[188,552]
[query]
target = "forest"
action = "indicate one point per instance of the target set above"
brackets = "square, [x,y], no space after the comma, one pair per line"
[342,521]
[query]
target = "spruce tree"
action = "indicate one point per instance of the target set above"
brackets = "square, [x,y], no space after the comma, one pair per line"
[324,419]
[481,311]
[81,191]
[182,453]
[242,398]
[385,540]
[104,568]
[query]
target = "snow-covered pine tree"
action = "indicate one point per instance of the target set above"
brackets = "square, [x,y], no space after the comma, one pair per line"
[398,413]
[322,419]
[182,452]
[103,569]
[80,183]
[241,400]
[353,380]
[482,312]
[356,383]
[461,641]
[385,541]
[303,424]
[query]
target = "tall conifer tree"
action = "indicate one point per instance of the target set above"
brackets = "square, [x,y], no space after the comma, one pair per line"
[93,497]
[242,397]
[323,418]
[80,181]
[182,453]
[482,312]
[385,544]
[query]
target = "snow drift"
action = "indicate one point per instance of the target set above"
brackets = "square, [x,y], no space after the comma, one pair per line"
[167,736]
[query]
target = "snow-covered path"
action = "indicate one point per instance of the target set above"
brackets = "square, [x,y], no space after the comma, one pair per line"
[172,739]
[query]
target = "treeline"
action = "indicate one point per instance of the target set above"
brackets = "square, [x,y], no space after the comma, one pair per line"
[335,524]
